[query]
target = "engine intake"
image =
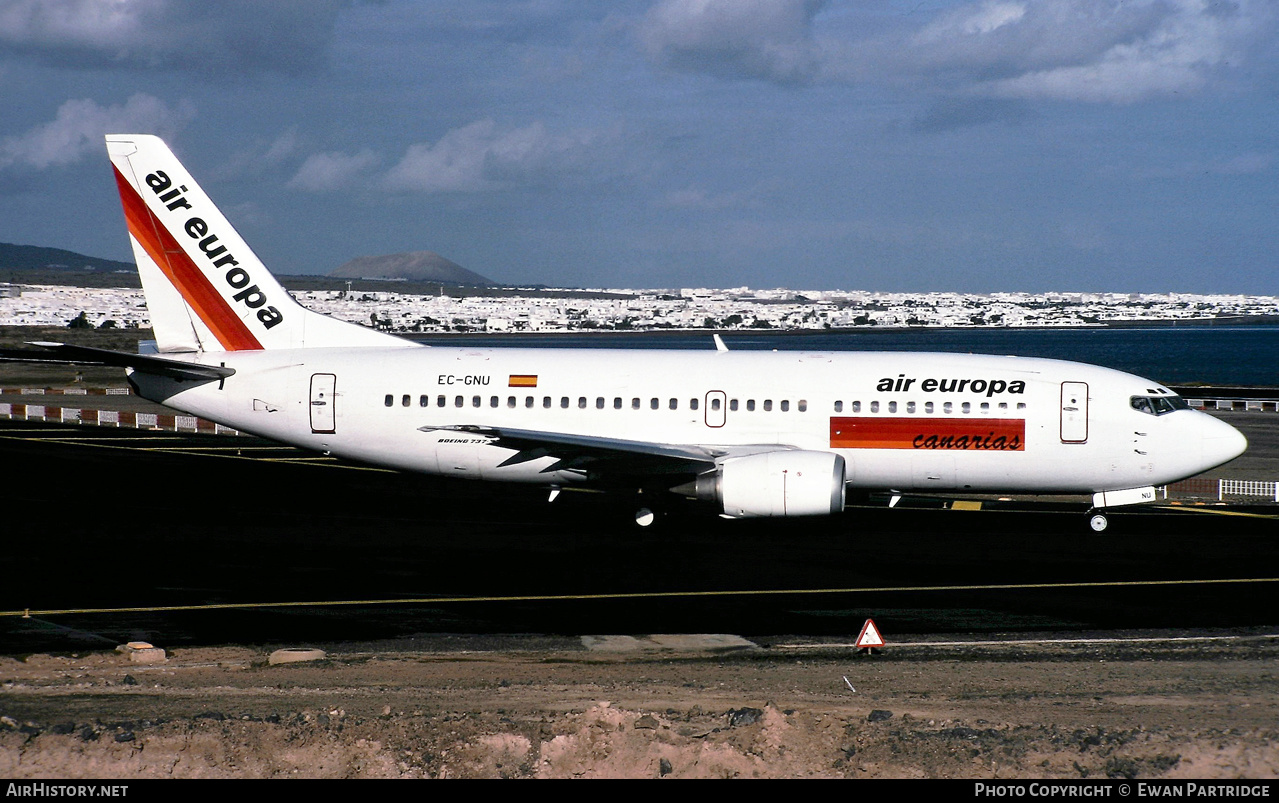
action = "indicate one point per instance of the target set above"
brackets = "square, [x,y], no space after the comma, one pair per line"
[780,483]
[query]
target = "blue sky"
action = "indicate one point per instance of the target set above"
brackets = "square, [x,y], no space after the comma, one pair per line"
[999,145]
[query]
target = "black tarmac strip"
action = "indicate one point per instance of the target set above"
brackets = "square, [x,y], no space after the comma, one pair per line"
[105,529]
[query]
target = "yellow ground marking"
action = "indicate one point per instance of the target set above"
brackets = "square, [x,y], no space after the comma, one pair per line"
[198,448]
[92,436]
[1218,511]
[205,451]
[222,606]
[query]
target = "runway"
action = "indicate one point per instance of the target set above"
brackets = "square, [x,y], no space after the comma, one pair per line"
[198,539]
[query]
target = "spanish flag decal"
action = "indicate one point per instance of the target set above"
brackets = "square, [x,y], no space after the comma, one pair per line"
[523,381]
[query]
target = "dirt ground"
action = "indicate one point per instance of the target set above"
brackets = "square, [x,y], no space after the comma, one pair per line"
[650,707]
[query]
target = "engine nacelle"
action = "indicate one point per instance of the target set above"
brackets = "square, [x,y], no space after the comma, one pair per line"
[780,483]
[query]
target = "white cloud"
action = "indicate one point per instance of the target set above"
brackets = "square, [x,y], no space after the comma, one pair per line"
[480,157]
[283,147]
[768,40]
[90,24]
[1110,51]
[322,172]
[1083,50]
[226,36]
[80,125]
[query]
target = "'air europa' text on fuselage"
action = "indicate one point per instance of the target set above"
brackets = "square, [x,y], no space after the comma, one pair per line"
[989,387]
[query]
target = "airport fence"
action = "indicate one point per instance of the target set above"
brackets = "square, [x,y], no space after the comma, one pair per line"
[1221,489]
[1238,405]
[113,418]
[67,391]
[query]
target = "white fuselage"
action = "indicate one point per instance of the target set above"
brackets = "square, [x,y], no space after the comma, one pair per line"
[901,421]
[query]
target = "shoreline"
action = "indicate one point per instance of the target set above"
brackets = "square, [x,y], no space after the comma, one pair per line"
[1237,322]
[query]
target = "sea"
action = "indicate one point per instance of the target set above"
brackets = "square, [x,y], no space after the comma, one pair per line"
[1172,355]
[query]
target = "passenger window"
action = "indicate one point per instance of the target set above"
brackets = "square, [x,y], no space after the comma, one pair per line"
[405,400]
[785,405]
[1021,405]
[1003,405]
[839,407]
[475,401]
[928,407]
[564,402]
[510,401]
[492,401]
[546,402]
[948,408]
[768,405]
[985,407]
[692,404]
[440,401]
[857,407]
[457,401]
[635,404]
[892,407]
[750,405]
[599,402]
[674,404]
[732,404]
[581,402]
[874,407]
[910,407]
[803,405]
[715,404]
[528,401]
[390,400]
[424,401]
[968,407]
[653,403]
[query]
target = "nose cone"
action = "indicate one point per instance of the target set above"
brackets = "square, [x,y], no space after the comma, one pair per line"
[1221,442]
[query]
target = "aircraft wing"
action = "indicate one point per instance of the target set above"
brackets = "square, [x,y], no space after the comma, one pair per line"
[610,455]
[86,355]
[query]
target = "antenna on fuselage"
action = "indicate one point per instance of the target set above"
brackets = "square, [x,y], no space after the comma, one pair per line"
[719,342]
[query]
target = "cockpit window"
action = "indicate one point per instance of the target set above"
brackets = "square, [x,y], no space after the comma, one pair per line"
[1158,405]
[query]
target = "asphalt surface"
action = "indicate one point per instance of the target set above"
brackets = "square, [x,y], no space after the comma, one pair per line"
[125,522]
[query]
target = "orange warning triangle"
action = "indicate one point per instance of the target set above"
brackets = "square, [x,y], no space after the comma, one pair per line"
[869,636]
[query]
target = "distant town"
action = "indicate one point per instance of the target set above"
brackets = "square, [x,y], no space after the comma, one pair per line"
[542,310]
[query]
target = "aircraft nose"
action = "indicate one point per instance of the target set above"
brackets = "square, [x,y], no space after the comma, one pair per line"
[1221,442]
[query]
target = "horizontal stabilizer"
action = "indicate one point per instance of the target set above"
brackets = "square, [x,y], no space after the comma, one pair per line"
[86,355]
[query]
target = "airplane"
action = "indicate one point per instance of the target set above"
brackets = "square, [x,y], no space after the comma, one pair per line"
[750,433]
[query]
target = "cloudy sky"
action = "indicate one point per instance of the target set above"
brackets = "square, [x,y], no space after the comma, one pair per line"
[925,145]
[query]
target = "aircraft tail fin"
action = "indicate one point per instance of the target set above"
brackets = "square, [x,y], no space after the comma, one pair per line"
[205,288]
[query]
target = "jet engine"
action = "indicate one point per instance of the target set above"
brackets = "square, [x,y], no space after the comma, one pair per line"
[778,483]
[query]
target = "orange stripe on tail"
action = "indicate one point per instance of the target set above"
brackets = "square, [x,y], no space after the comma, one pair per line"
[195,287]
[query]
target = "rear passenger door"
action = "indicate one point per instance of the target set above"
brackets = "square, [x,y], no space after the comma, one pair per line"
[323,409]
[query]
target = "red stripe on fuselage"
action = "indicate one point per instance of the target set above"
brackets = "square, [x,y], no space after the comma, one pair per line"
[950,434]
[185,275]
